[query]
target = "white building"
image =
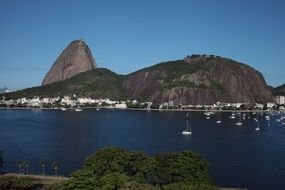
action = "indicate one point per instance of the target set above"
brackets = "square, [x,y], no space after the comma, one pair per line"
[46,100]
[270,105]
[280,100]
[259,106]
[121,106]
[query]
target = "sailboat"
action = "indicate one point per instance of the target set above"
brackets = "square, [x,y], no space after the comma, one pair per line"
[257,128]
[239,123]
[233,116]
[188,128]
[282,120]
[219,121]
[78,109]
[63,109]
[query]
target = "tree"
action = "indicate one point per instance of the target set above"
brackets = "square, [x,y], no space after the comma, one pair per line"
[1,158]
[55,166]
[43,165]
[26,166]
[20,166]
[114,168]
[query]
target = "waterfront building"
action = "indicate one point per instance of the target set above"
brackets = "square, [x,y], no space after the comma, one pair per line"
[280,100]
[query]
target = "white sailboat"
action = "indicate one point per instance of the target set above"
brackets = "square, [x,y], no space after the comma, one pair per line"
[188,128]
[257,128]
[78,109]
[233,116]
[63,109]
[282,120]
[239,123]
[219,120]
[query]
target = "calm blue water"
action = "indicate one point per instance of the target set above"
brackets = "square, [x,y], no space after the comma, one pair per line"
[238,155]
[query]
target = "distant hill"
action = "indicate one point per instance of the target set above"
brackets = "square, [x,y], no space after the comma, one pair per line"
[279,91]
[198,80]
[99,83]
[192,80]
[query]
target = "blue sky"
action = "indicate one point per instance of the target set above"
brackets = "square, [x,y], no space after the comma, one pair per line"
[127,35]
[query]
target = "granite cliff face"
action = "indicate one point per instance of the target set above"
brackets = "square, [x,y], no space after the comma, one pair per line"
[75,59]
[198,80]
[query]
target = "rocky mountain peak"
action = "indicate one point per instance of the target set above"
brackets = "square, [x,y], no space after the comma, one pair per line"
[75,58]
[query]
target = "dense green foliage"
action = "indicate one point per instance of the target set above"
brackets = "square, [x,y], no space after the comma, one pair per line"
[113,168]
[23,183]
[97,83]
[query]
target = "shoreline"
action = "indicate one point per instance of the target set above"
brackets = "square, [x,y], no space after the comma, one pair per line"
[138,109]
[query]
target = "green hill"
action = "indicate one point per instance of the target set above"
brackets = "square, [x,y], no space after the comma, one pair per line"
[195,79]
[97,83]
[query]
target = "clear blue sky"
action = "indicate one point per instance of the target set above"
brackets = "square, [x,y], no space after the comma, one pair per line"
[127,35]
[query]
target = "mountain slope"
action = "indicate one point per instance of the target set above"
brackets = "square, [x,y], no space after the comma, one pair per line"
[99,83]
[193,80]
[74,59]
[198,80]
[279,91]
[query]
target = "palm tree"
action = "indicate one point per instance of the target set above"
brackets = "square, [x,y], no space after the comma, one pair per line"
[26,165]
[43,165]
[20,165]
[55,166]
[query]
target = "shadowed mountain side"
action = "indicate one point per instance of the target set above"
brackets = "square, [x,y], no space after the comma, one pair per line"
[99,83]
[279,91]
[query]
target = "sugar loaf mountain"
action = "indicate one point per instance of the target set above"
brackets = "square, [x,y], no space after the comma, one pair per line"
[195,79]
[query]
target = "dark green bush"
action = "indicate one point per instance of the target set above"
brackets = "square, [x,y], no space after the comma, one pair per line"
[114,168]
[23,183]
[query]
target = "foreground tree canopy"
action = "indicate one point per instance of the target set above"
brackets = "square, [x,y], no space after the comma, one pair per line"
[113,168]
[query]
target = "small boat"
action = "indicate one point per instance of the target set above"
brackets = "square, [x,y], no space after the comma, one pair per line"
[97,109]
[63,109]
[188,128]
[267,117]
[239,123]
[207,117]
[78,109]
[282,118]
[257,128]
[233,116]
[219,120]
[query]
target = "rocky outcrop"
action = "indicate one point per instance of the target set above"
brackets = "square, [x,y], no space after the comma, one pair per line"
[75,59]
[198,80]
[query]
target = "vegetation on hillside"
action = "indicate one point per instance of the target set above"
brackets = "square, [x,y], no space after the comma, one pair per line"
[170,76]
[114,168]
[96,83]
[18,183]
